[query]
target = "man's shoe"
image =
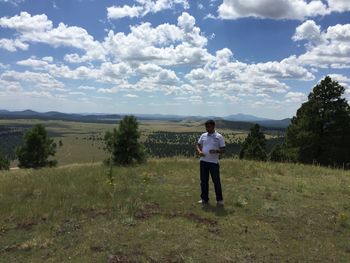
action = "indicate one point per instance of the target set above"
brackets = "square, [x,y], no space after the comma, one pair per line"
[202,202]
[221,202]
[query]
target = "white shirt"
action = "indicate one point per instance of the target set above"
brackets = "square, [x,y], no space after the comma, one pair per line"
[213,141]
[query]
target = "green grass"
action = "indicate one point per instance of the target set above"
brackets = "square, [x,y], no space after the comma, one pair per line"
[78,149]
[273,213]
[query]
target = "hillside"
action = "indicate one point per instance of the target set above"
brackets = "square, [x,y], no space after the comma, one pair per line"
[273,213]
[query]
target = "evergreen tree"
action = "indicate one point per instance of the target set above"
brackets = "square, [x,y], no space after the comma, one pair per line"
[123,143]
[253,148]
[320,131]
[4,163]
[36,149]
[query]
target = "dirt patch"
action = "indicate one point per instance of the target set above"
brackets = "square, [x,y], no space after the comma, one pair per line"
[212,225]
[195,218]
[118,259]
[25,225]
[147,211]
[97,248]
[92,212]
[201,220]
[67,227]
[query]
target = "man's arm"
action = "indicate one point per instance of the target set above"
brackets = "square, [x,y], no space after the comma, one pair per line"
[199,150]
[221,150]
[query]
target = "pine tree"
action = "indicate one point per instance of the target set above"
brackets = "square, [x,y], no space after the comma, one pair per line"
[123,143]
[320,131]
[36,149]
[253,148]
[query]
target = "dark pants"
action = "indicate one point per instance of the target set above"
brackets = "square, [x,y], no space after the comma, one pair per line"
[214,170]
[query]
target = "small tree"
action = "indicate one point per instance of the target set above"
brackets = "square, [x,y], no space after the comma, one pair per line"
[320,131]
[36,149]
[253,147]
[4,163]
[123,143]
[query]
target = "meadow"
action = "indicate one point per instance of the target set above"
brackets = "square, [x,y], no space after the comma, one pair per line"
[148,213]
[83,142]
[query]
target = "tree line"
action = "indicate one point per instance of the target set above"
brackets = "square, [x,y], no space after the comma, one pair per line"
[318,134]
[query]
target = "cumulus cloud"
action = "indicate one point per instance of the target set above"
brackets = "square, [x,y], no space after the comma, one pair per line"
[339,5]
[12,44]
[274,9]
[170,58]
[297,97]
[308,31]
[39,80]
[143,7]
[329,48]
[39,29]
[165,44]
[280,9]
[225,75]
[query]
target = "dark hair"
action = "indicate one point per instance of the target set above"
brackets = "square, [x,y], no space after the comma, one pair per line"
[210,122]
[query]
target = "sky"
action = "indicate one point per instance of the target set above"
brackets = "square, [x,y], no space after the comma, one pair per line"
[214,57]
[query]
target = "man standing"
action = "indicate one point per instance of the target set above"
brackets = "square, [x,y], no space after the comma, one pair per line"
[210,145]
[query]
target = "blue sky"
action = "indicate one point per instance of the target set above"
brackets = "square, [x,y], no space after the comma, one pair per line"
[170,56]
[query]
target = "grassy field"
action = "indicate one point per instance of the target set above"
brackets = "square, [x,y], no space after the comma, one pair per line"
[80,147]
[273,213]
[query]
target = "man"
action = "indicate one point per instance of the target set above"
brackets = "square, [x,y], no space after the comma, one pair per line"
[210,145]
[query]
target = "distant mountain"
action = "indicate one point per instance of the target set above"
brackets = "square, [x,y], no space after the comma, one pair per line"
[244,117]
[53,115]
[275,123]
[236,121]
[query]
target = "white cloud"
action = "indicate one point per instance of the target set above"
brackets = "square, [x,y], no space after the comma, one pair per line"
[308,31]
[163,45]
[36,80]
[116,12]
[280,9]
[131,95]
[332,48]
[275,9]
[13,2]
[343,80]
[86,88]
[339,5]
[25,23]
[12,44]
[143,7]
[295,97]
[224,75]
[39,29]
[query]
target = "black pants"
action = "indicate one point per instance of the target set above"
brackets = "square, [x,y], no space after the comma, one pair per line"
[214,170]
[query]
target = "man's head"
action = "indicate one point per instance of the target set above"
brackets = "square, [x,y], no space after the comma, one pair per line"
[210,126]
